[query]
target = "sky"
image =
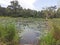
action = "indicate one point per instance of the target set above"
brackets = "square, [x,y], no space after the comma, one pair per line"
[32,4]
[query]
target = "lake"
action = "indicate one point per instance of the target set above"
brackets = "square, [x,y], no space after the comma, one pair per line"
[32,31]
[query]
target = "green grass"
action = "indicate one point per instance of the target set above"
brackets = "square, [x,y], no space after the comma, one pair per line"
[8,24]
[8,33]
[53,37]
[56,22]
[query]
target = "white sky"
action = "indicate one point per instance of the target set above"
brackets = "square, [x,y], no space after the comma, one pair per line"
[24,3]
[27,3]
[32,4]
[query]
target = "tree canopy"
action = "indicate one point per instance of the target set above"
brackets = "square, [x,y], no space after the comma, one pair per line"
[15,10]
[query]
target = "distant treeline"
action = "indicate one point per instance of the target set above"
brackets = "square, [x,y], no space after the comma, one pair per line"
[15,10]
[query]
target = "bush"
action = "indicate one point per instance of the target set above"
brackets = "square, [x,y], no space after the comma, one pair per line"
[8,33]
[53,37]
[48,40]
[56,32]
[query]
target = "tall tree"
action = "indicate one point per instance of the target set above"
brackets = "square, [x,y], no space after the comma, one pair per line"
[58,13]
[15,8]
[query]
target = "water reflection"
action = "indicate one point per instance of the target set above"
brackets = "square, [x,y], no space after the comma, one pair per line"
[31,31]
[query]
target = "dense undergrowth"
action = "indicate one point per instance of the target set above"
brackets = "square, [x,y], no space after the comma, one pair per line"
[8,34]
[53,37]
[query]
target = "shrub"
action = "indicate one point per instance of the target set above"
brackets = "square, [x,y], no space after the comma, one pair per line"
[48,40]
[53,37]
[56,32]
[8,33]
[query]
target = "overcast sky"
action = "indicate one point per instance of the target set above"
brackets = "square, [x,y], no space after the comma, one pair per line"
[32,4]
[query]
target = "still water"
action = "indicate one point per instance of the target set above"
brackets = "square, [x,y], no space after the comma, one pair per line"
[31,31]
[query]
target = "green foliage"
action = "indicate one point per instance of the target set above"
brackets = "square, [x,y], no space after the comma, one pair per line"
[48,40]
[53,37]
[56,33]
[8,33]
[15,10]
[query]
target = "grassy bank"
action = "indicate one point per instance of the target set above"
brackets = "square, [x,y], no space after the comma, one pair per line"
[53,37]
[8,31]
[8,34]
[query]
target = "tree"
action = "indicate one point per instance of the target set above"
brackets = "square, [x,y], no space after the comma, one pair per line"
[58,13]
[3,11]
[49,12]
[14,8]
